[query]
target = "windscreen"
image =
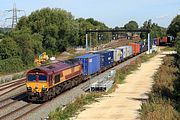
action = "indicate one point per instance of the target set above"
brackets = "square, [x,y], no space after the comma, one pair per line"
[42,78]
[31,77]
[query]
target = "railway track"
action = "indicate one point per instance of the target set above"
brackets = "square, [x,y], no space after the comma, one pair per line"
[21,111]
[12,89]
[16,107]
[27,112]
[8,87]
[11,100]
[12,82]
[12,85]
[25,109]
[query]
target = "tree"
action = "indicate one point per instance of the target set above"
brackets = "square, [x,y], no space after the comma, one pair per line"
[54,25]
[24,40]
[37,45]
[8,48]
[131,25]
[91,24]
[178,44]
[174,27]
[155,29]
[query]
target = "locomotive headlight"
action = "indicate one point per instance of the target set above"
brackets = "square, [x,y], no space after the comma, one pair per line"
[44,89]
[29,89]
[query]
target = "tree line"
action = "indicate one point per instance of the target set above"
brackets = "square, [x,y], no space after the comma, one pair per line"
[53,31]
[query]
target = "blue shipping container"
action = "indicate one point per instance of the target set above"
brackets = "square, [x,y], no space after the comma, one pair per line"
[106,58]
[141,46]
[91,63]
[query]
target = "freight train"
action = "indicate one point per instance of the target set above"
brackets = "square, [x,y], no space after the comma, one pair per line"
[45,82]
[164,41]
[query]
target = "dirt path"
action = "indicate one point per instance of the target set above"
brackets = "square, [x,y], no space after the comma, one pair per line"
[124,103]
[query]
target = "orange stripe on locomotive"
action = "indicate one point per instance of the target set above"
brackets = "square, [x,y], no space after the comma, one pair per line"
[47,77]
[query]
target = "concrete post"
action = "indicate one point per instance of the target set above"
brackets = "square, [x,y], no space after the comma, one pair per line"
[86,42]
[148,42]
[90,41]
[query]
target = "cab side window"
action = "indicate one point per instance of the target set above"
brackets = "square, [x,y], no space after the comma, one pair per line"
[57,78]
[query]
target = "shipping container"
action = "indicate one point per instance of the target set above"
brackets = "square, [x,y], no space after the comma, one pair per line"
[154,41]
[122,51]
[117,54]
[164,39]
[157,41]
[127,51]
[145,48]
[106,58]
[141,46]
[91,63]
[135,48]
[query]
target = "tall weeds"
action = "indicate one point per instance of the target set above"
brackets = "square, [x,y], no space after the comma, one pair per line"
[163,103]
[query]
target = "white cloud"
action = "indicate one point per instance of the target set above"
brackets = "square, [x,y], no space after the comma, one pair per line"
[162,17]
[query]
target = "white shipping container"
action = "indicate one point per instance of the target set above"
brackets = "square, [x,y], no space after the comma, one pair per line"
[117,54]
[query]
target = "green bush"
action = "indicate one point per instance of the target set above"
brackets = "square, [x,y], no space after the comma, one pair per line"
[11,65]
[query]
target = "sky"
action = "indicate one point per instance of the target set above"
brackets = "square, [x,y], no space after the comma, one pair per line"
[111,12]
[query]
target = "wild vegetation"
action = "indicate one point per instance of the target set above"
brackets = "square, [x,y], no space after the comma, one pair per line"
[51,30]
[71,109]
[155,29]
[163,102]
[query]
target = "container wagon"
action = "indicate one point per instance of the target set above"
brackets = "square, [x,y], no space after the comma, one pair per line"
[106,59]
[117,54]
[127,51]
[135,48]
[123,53]
[90,63]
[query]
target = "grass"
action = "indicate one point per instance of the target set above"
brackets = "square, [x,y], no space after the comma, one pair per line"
[78,105]
[18,76]
[71,109]
[169,48]
[147,57]
[14,77]
[163,102]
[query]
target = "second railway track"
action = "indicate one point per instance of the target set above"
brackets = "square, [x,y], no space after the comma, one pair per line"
[16,107]
[24,108]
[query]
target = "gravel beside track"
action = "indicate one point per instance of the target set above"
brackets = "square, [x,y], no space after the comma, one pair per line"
[19,110]
[68,96]
[11,85]
[11,89]
[12,93]
[12,82]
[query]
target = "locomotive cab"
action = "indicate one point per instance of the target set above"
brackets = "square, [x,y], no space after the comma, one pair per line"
[36,83]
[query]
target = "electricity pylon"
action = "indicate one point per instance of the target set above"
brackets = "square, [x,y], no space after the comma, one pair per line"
[14,17]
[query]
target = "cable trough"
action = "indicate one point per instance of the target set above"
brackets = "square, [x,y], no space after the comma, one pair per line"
[104,84]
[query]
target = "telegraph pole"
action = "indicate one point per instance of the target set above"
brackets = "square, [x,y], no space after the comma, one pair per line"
[14,17]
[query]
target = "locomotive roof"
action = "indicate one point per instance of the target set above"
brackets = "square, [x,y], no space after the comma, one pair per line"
[57,67]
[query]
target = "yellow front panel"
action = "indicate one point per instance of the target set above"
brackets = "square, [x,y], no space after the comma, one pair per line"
[37,86]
